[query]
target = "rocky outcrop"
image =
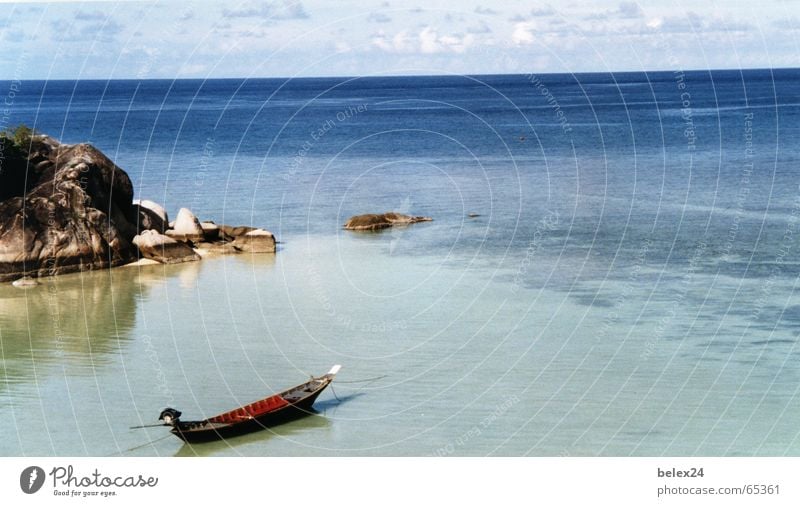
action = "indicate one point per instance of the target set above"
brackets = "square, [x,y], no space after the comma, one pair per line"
[68,208]
[164,249]
[74,213]
[380,221]
[255,241]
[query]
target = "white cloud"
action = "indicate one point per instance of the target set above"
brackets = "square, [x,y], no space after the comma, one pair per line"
[629,10]
[285,9]
[399,43]
[523,33]
[480,27]
[692,22]
[547,10]
[625,10]
[427,41]
[378,17]
[485,10]
[655,23]
[90,16]
[83,30]
[787,24]
[342,47]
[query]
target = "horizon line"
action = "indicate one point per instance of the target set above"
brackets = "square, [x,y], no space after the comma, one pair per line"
[653,71]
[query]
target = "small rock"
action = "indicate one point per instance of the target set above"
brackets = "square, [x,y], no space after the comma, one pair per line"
[255,241]
[379,221]
[142,262]
[187,227]
[26,282]
[210,231]
[164,249]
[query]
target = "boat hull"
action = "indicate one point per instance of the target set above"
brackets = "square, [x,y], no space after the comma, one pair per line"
[201,432]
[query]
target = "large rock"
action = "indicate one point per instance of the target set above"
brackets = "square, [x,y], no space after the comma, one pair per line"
[163,249]
[255,241]
[149,220]
[154,207]
[151,216]
[380,221]
[187,227]
[75,212]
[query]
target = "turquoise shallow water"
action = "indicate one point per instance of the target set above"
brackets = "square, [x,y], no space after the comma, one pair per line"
[628,288]
[475,364]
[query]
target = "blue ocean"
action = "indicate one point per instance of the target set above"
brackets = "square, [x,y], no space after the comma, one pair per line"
[610,269]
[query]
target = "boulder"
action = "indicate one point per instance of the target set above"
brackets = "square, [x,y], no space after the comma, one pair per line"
[230,233]
[187,227]
[149,220]
[151,216]
[154,207]
[210,231]
[74,213]
[255,241]
[381,221]
[164,249]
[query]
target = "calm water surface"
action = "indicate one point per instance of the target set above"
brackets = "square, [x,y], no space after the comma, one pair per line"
[628,288]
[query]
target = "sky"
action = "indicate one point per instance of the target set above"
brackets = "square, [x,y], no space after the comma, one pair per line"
[288,38]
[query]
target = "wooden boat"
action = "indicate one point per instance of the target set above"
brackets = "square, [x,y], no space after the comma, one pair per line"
[287,405]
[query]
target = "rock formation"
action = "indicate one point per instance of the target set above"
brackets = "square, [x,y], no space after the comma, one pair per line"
[187,227]
[75,213]
[68,208]
[381,221]
[164,249]
[255,241]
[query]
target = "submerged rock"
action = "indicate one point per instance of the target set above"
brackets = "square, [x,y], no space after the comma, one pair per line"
[380,221]
[205,249]
[26,282]
[164,249]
